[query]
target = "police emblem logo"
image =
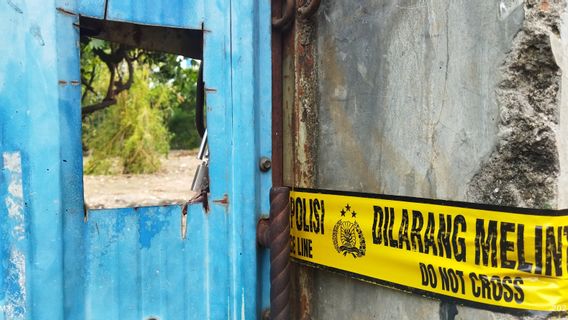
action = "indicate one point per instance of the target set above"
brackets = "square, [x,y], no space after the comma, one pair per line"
[347,235]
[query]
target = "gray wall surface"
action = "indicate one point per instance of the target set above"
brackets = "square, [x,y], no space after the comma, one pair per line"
[407,93]
[445,99]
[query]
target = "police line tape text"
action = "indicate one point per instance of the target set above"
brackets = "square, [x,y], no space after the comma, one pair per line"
[497,243]
[481,286]
[301,247]
[307,216]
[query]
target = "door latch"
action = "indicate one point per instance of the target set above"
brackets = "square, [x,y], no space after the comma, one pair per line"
[200,184]
[201,179]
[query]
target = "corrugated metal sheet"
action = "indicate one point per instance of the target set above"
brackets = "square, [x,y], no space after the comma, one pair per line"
[188,14]
[40,156]
[129,263]
[92,8]
[139,267]
[172,13]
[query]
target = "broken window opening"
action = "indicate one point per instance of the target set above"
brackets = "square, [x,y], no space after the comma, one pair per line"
[142,111]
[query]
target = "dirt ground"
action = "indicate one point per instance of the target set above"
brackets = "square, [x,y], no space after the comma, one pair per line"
[169,186]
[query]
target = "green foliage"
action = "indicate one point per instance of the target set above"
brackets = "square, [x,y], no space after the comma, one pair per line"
[182,125]
[93,68]
[132,130]
[155,113]
[181,121]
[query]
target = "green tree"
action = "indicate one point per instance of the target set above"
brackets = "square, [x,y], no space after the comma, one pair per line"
[182,80]
[135,103]
[133,130]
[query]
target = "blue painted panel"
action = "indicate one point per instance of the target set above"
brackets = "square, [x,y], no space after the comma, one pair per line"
[92,8]
[138,266]
[251,127]
[263,73]
[217,70]
[40,151]
[69,158]
[129,263]
[187,14]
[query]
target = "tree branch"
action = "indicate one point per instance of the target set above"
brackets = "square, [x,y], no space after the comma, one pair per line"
[120,86]
[112,61]
[89,84]
[85,111]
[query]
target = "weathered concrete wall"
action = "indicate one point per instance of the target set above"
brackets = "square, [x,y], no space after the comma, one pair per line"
[524,166]
[446,99]
[408,100]
[560,50]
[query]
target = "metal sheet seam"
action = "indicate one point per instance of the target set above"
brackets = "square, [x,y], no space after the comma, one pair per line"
[250,87]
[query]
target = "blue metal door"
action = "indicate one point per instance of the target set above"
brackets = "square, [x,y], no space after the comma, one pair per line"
[59,262]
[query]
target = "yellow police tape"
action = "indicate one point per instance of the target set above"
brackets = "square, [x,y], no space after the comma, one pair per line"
[497,256]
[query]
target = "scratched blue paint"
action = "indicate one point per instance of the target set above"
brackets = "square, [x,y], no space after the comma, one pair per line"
[131,263]
[92,8]
[150,226]
[13,238]
[129,279]
[172,13]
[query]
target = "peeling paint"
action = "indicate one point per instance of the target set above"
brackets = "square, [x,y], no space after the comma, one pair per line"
[13,162]
[15,299]
[306,117]
[150,226]
[14,207]
[223,202]
[524,168]
[14,200]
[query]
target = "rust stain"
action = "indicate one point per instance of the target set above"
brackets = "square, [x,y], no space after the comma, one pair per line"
[223,202]
[305,122]
[200,198]
[304,305]
[303,49]
[66,12]
[544,5]
[307,10]
[305,276]
[184,209]
[288,95]
[62,82]
[281,20]
[75,83]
